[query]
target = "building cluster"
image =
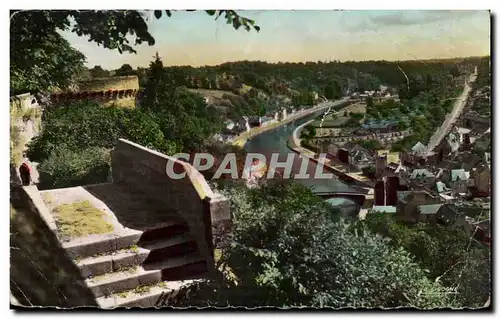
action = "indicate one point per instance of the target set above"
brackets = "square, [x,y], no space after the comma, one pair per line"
[383,92]
[233,128]
[450,184]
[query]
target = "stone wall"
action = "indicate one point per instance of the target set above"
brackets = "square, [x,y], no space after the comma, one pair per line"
[120,91]
[25,124]
[41,273]
[114,83]
[191,198]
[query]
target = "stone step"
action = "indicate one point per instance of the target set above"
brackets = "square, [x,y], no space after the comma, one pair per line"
[112,262]
[116,282]
[169,247]
[179,268]
[101,244]
[145,296]
[163,230]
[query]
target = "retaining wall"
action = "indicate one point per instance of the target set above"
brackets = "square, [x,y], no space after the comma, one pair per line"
[41,273]
[206,213]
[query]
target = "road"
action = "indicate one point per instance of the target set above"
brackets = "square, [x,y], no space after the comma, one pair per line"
[452,117]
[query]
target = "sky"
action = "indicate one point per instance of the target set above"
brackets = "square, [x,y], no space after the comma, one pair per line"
[195,38]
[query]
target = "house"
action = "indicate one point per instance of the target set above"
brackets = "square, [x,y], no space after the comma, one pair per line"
[481,176]
[428,213]
[487,159]
[422,176]
[243,124]
[463,133]
[474,121]
[267,121]
[466,160]
[408,202]
[442,188]
[448,215]
[230,125]
[386,163]
[360,157]
[417,155]
[448,148]
[382,126]
[457,180]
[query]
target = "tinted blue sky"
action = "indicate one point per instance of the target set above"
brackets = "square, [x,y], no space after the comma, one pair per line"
[195,38]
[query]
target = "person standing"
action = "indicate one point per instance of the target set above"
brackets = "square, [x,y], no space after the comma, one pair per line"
[25,173]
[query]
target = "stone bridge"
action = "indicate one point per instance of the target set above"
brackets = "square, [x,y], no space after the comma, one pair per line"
[358,198]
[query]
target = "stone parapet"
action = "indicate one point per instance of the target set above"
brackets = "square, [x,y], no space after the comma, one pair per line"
[190,197]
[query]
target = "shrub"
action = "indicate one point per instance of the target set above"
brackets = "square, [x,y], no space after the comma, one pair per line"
[448,253]
[68,168]
[289,250]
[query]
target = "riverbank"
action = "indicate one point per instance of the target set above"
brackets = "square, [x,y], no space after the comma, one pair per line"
[294,145]
[245,136]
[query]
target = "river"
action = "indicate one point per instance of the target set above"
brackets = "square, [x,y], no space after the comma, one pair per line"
[275,142]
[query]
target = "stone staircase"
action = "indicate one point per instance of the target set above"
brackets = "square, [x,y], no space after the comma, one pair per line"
[140,268]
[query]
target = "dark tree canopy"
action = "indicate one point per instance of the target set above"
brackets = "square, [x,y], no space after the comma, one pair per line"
[42,59]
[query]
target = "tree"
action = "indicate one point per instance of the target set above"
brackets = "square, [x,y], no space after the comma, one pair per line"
[445,251]
[85,124]
[40,60]
[34,40]
[328,92]
[184,117]
[309,133]
[69,168]
[402,126]
[369,102]
[125,70]
[333,91]
[98,72]
[370,144]
[289,248]
[368,171]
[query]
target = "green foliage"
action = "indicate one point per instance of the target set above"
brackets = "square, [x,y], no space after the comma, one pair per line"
[356,116]
[402,126]
[67,168]
[98,72]
[369,102]
[125,70]
[183,117]
[87,124]
[448,253]
[289,249]
[333,91]
[308,133]
[369,144]
[368,171]
[42,59]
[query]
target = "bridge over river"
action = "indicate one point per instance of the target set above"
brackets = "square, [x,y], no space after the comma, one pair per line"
[336,192]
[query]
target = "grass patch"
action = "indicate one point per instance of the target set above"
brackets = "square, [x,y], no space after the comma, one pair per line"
[134,249]
[80,219]
[142,289]
[130,270]
[123,294]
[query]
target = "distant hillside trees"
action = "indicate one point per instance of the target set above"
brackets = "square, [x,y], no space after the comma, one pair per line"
[125,70]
